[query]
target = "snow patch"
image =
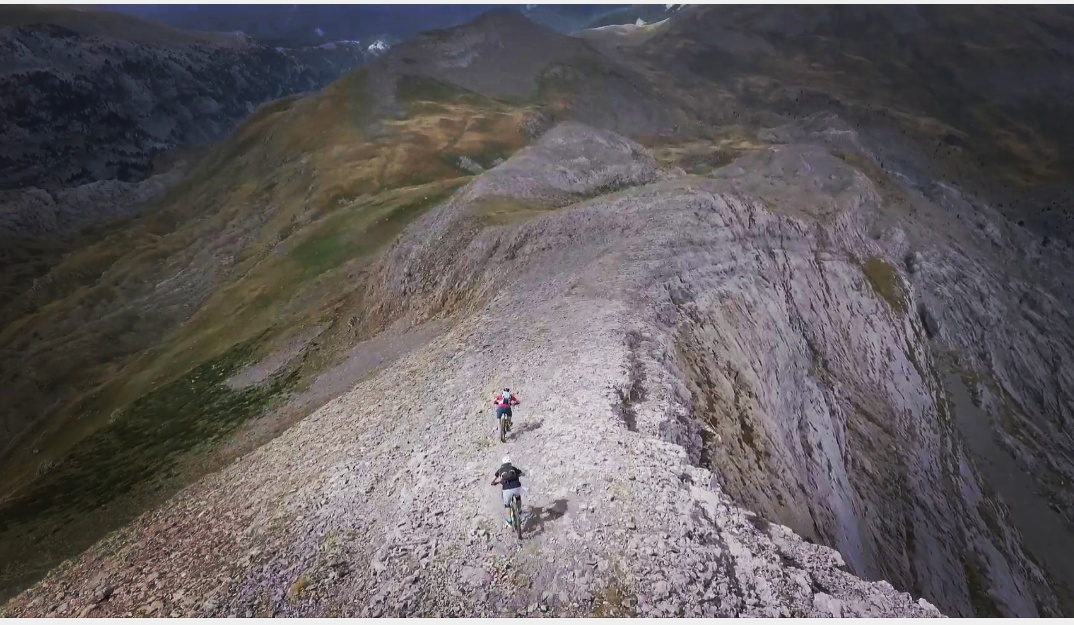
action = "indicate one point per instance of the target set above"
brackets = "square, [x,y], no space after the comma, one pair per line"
[378,47]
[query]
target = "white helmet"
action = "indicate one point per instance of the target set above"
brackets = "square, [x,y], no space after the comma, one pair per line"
[506,460]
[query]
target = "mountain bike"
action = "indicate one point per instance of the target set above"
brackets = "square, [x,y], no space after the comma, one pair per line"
[515,514]
[505,426]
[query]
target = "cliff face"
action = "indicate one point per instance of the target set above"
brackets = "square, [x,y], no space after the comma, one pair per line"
[967,152]
[820,400]
[98,99]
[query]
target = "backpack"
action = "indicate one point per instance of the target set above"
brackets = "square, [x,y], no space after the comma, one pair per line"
[508,475]
[505,399]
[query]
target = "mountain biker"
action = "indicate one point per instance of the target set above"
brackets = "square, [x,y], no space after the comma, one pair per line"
[503,402]
[509,475]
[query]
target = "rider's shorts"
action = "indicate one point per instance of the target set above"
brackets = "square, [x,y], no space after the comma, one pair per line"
[510,492]
[506,410]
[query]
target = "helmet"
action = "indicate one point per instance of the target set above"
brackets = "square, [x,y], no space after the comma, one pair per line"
[506,460]
[506,390]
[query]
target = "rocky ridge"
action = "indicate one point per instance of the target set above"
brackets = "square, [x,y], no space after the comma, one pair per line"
[622,519]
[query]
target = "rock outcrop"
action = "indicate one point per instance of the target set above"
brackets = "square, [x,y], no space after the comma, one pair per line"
[59,213]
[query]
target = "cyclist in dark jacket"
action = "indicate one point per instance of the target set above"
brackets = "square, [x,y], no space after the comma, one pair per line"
[509,475]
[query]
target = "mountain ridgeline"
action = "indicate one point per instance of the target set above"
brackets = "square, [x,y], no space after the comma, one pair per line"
[783,291]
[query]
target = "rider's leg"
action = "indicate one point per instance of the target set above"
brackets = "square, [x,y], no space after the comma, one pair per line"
[507,494]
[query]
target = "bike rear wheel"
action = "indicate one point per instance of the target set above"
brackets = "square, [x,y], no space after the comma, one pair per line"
[503,429]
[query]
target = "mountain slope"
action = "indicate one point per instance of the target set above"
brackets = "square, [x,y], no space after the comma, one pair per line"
[225,263]
[620,520]
[95,95]
[501,54]
[977,96]
[262,248]
[766,302]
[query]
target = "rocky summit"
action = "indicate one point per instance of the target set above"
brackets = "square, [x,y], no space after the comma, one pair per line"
[784,299]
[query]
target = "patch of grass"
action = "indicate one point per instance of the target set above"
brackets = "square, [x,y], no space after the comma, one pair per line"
[281,290]
[978,586]
[565,78]
[975,384]
[356,231]
[411,89]
[298,587]
[520,580]
[703,157]
[24,260]
[821,366]
[886,282]
[614,600]
[135,454]
[889,190]
[506,211]
[747,430]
